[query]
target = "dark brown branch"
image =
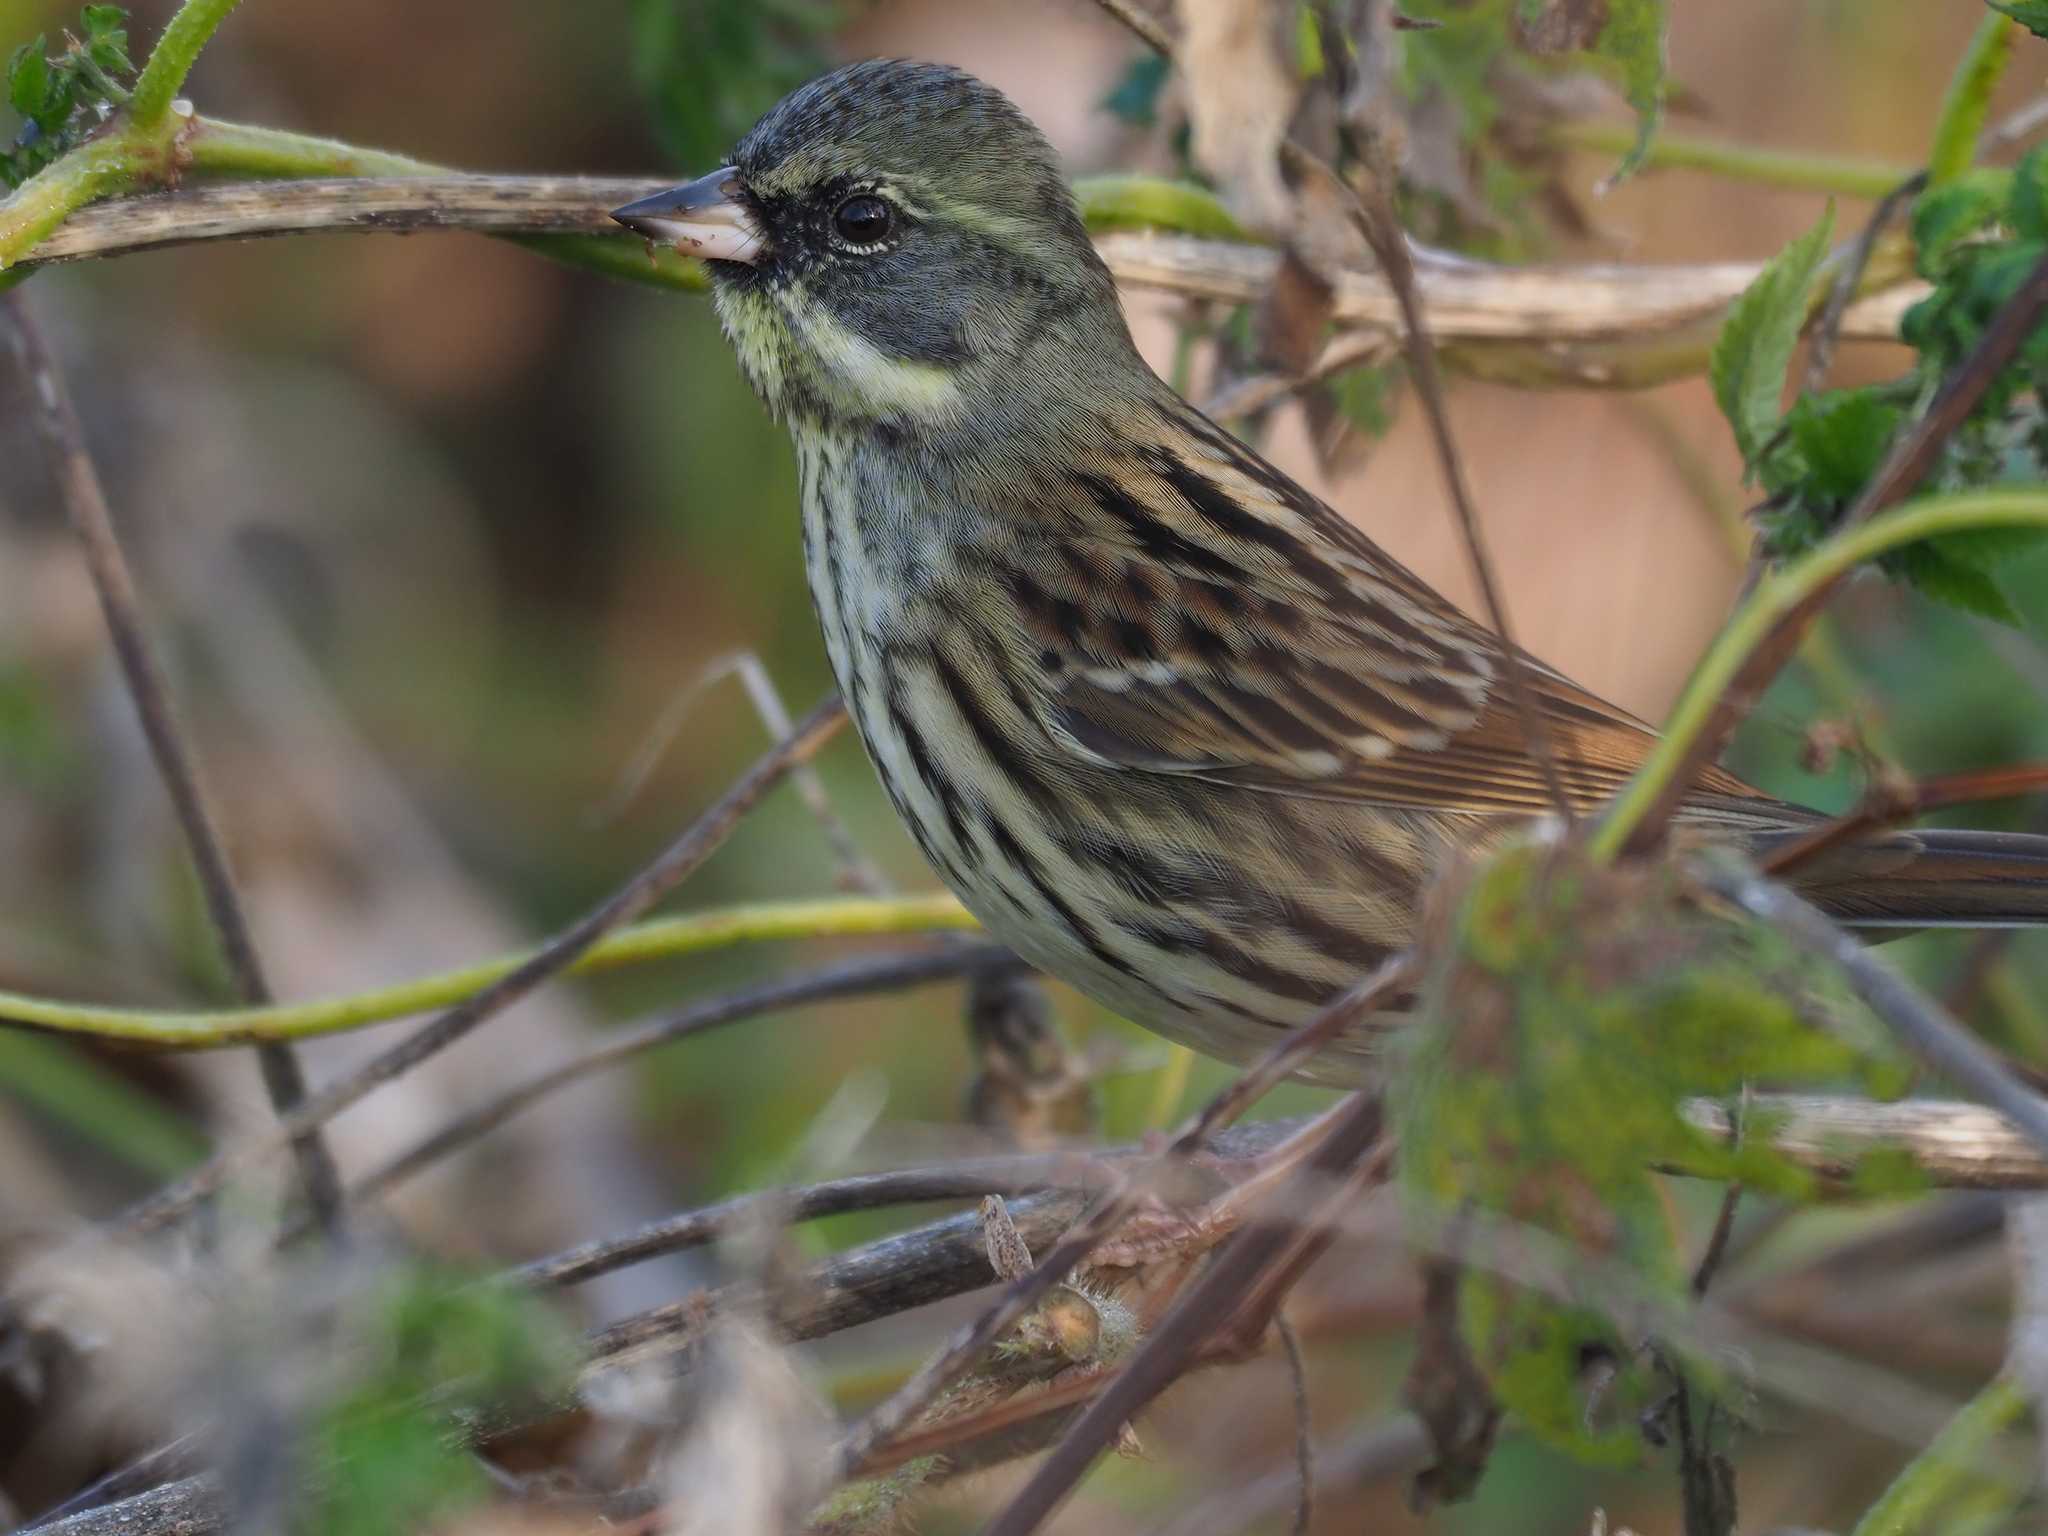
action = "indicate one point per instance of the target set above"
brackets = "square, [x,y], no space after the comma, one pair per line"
[85,503]
[932,1262]
[915,1395]
[887,973]
[1011,1176]
[1887,806]
[670,867]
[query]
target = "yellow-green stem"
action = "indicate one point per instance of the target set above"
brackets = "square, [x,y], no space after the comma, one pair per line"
[1777,596]
[657,939]
[172,59]
[1789,168]
[1958,1468]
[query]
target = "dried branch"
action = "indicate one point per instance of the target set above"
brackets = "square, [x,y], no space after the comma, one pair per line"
[1950,1145]
[672,865]
[1208,1304]
[1888,805]
[1463,300]
[1920,1025]
[85,503]
[929,1263]
[888,973]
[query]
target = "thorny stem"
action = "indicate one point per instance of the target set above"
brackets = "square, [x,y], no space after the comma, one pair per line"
[177,764]
[660,938]
[672,865]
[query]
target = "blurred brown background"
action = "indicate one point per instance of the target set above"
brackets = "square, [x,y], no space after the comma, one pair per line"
[437,530]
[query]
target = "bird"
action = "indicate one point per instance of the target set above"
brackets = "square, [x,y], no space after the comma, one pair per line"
[1171,728]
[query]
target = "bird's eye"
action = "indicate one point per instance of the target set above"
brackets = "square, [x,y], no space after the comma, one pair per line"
[862,219]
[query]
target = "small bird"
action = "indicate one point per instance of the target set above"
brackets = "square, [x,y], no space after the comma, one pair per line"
[1170,727]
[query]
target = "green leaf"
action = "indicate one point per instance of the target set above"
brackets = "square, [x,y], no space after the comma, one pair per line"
[1634,38]
[28,79]
[2031,14]
[1968,102]
[1841,437]
[1933,572]
[1949,215]
[1571,1014]
[2028,213]
[1754,349]
[2023,582]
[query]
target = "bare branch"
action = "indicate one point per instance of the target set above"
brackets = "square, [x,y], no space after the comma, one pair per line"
[668,869]
[1920,1025]
[888,973]
[85,503]
[1206,1305]
[1463,300]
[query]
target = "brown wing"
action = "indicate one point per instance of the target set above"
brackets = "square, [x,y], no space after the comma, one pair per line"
[1200,613]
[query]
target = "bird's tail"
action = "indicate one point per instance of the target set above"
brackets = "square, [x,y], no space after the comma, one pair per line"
[1935,877]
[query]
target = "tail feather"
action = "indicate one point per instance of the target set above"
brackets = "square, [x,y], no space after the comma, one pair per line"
[1936,877]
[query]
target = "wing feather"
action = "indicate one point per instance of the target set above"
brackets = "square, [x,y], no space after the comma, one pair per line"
[1208,616]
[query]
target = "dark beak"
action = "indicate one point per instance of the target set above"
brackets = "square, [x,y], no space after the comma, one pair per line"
[702,218]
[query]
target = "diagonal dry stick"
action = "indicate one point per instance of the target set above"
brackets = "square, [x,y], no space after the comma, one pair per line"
[85,503]
[668,868]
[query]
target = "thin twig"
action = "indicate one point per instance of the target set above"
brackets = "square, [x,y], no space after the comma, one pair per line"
[1148,29]
[1304,1426]
[886,973]
[929,1263]
[1373,209]
[1888,805]
[1209,1302]
[85,503]
[1920,1025]
[671,866]
[1827,330]
[915,1395]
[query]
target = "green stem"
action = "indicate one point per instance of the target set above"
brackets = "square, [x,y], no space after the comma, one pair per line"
[1957,1468]
[1793,169]
[659,938]
[98,1107]
[172,59]
[1776,597]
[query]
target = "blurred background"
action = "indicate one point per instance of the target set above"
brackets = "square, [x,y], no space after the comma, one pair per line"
[436,532]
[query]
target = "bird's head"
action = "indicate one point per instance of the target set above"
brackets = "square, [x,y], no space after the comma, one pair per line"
[890,244]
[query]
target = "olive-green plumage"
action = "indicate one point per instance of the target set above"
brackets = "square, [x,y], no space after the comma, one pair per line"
[1169,726]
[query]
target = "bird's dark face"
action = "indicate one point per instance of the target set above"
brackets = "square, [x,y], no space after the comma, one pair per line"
[888,244]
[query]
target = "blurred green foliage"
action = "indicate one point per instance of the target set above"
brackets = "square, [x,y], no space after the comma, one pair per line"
[60,99]
[711,67]
[1572,1012]
[434,1356]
